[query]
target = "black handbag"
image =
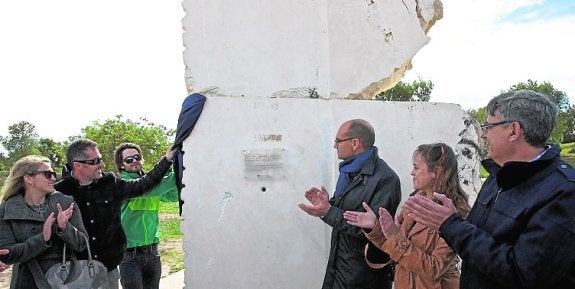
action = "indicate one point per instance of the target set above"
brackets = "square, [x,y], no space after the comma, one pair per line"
[76,274]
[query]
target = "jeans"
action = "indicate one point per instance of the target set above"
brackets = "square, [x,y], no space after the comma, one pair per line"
[141,268]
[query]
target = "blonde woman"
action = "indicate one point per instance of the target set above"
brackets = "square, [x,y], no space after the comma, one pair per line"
[35,222]
[422,258]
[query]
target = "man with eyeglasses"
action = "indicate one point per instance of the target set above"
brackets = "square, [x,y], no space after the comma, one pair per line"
[141,266]
[99,197]
[520,232]
[364,178]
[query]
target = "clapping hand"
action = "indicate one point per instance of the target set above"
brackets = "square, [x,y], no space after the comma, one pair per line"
[47,229]
[319,200]
[64,215]
[366,220]
[431,213]
[388,226]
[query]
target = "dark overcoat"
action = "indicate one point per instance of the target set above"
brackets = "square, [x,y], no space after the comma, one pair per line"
[21,233]
[379,186]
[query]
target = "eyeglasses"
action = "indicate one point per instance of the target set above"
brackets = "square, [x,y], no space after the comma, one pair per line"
[486,126]
[47,174]
[91,162]
[133,158]
[336,141]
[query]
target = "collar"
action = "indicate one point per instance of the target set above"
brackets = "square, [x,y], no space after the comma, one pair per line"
[514,173]
[16,209]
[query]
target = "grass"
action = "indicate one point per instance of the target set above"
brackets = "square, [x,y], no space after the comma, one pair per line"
[171,238]
[568,153]
[169,208]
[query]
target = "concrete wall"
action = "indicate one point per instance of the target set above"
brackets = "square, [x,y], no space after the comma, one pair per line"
[248,163]
[277,75]
[302,48]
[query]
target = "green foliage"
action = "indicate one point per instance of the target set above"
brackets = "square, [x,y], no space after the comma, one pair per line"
[557,96]
[568,152]
[53,150]
[569,122]
[565,129]
[170,227]
[479,114]
[153,139]
[169,208]
[174,258]
[171,236]
[416,91]
[568,149]
[565,124]
[23,140]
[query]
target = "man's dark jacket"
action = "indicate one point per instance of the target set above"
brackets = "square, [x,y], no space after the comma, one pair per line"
[521,230]
[100,203]
[379,186]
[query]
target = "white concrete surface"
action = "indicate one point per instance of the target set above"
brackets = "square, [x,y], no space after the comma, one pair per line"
[173,281]
[248,163]
[298,48]
[276,74]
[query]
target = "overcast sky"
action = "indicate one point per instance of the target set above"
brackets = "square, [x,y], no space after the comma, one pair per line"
[66,63]
[482,47]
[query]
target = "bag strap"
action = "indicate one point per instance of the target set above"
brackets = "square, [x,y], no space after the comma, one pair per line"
[87,247]
[375,265]
[39,275]
[91,265]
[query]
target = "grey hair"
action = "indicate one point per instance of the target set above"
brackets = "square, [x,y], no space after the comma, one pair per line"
[77,150]
[536,114]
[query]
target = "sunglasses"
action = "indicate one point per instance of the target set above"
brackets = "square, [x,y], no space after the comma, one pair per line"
[48,174]
[133,158]
[91,162]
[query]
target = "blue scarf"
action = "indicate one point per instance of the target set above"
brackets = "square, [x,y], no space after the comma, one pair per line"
[349,168]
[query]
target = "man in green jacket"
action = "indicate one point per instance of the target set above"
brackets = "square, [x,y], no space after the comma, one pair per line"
[141,266]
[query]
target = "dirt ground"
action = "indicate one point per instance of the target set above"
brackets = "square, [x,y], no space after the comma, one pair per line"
[166,266]
[5,278]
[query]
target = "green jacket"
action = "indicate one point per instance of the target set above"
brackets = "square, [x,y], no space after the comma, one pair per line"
[140,215]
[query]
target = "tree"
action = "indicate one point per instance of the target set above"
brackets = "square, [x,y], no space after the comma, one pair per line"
[55,151]
[557,96]
[560,99]
[22,140]
[479,114]
[569,135]
[153,139]
[416,91]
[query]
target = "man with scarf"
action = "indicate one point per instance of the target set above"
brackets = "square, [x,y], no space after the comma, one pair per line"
[364,177]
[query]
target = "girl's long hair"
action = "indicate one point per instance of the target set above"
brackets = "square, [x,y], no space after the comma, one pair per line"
[442,161]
